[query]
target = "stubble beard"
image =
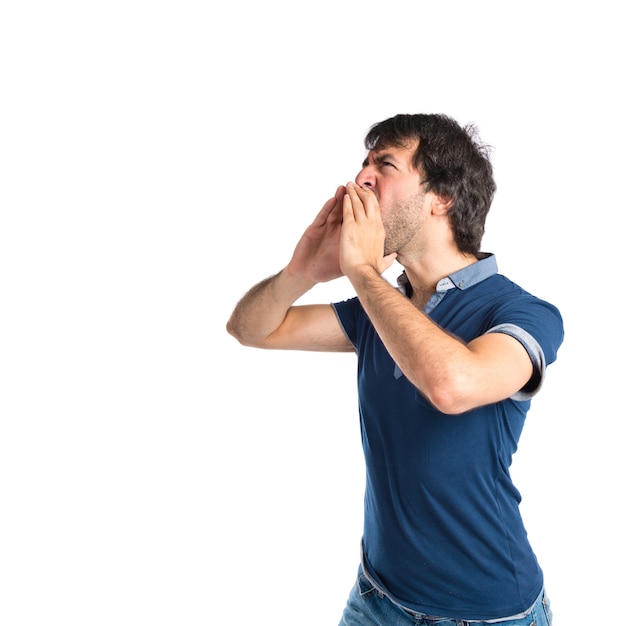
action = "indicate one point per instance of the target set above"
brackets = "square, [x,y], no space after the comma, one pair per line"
[403,225]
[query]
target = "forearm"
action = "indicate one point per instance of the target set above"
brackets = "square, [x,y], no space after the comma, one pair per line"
[263,308]
[431,358]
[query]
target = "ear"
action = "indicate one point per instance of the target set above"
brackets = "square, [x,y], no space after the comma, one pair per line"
[441,205]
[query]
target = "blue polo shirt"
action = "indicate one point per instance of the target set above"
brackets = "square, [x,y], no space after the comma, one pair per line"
[443,534]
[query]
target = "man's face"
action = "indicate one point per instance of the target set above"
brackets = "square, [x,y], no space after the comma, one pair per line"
[391,175]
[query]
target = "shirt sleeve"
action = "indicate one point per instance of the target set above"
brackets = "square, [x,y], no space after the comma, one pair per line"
[348,313]
[538,326]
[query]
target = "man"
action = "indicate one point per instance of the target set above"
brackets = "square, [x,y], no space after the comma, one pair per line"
[447,363]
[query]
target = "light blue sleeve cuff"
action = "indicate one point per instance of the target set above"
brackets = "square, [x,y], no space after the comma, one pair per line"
[536,356]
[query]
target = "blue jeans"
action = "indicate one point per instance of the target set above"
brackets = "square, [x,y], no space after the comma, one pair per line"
[369,607]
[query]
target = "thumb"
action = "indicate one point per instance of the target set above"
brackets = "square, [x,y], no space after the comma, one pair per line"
[388,261]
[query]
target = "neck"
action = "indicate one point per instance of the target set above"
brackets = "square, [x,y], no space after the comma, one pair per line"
[425,273]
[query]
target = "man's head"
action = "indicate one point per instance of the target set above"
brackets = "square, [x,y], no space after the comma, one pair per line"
[453,164]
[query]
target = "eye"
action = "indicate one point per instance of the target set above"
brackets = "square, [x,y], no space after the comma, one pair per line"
[387,164]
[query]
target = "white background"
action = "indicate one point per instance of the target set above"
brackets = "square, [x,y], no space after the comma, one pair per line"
[157,159]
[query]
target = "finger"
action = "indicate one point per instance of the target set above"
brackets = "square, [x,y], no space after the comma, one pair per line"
[368,200]
[388,261]
[348,209]
[331,205]
[340,193]
[339,196]
[358,209]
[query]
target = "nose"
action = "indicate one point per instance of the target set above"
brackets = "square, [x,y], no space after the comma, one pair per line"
[366,178]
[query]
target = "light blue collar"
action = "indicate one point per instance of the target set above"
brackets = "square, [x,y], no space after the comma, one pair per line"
[467,277]
[472,274]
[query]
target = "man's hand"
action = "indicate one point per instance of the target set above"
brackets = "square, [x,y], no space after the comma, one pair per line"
[362,241]
[316,256]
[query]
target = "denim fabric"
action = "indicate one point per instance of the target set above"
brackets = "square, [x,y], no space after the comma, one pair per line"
[367,606]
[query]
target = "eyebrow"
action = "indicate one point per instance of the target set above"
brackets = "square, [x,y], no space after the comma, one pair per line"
[379,157]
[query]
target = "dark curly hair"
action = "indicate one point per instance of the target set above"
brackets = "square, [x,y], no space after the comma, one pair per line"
[454,164]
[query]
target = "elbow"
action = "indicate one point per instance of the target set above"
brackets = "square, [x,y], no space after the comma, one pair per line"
[233,330]
[449,397]
[239,333]
[447,404]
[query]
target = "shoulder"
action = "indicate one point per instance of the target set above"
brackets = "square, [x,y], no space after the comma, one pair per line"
[536,318]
